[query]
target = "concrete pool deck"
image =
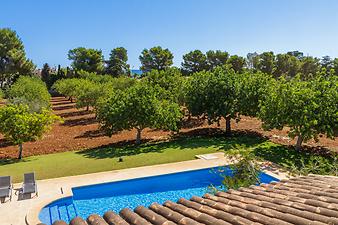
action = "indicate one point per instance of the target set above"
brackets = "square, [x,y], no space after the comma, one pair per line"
[26,211]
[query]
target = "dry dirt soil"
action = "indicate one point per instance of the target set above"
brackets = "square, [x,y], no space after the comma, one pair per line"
[81,131]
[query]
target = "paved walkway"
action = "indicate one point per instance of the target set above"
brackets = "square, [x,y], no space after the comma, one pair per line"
[21,212]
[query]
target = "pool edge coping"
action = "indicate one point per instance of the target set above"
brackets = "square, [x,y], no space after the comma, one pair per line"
[32,216]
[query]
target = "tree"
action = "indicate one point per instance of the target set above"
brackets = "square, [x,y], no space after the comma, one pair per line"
[308,108]
[266,62]
[170,80]
[213,95]
[87,94]
[286,65]
[327,63]
[252,59]
[194,61]
[87,59]
[216,58]
[13,61]
[309,67]
[67,87]
[117,64]
[252,89]
[237,63]
[19,125]
[45,73]
[156,58]
[30,91]
[138,107]
[299,55]
[335,66]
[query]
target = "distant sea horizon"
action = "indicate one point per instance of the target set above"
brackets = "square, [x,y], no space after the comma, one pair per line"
[138,72]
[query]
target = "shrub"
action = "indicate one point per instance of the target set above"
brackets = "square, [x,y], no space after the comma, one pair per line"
[30,91]
[19,124]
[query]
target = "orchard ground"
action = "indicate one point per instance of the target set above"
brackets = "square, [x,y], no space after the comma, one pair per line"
[80,131]
[81,148]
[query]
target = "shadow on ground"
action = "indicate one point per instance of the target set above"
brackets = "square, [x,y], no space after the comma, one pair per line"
[92,134]
[203,138]
[317,160]
[11,161]
[65,102]
[80,122]
[58,108]
[4,143]
[76,113]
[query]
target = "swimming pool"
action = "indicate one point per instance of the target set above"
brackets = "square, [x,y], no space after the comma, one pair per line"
[115,196]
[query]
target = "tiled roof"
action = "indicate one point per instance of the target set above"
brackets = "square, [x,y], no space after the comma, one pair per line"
[308,200]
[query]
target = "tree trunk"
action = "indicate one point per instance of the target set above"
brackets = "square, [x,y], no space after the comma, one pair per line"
[138,136]
[299,142]
[227,126]
[20,151]
[87,109]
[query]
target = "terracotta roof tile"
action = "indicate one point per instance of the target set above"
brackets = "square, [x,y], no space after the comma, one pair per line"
[308,200]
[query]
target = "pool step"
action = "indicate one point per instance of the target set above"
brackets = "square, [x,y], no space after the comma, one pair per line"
[64,212]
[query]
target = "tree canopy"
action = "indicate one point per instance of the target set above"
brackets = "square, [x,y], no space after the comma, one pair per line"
[138,107]
[156,58]
[170,80]
[13,60]
[236,63]
[194,61]
[30,91]
[308,108]
[117,63]
[214,95]
[18,124]
[88,59]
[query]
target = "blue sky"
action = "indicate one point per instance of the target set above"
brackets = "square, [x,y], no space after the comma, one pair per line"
[50,28]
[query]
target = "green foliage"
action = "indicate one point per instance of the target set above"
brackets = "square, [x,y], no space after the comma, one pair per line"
[117,64]
[266,62]
[1,95]
[13,59]
[309,67]
[122,83]
[308,108]
[138,107]
[214,95]
[297,162]
[245,173]
[216,58]
[88,93]
[170,80]
[194,61]
[156,58]
[286,65]
[335,66]
[67,87]
[88,59]
[30,91]
[252,89]
[236,63]
[18,124]
[91,88]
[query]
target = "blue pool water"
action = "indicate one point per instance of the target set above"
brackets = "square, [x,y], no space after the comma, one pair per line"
[115,196]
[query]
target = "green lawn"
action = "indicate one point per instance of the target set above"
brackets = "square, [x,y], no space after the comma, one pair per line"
[106,158]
